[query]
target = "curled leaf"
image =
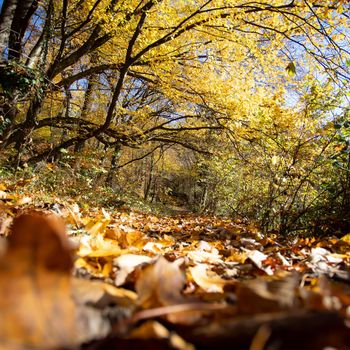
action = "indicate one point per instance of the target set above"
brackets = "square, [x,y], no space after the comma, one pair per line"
[160,284]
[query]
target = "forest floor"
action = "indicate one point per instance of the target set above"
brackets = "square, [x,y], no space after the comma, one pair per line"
[142,281]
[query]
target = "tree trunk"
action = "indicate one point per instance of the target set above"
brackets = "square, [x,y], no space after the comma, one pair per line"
[85,109]
[110,180]
[67,106]
[6,17]
[203,203]
[24,11]
[23,135]
[8,112]
[35,54]
[148,178]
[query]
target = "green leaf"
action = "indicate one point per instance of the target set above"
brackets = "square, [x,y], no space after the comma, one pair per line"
[347,62]
[291,69]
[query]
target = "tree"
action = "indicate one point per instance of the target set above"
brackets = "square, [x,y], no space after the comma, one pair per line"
[151,44]
[159,72]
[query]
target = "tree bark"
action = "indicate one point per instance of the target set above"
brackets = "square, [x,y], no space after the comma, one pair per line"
[36,52]
[6,17]
[85,109]
[24,11]
[110,180]
[148,178]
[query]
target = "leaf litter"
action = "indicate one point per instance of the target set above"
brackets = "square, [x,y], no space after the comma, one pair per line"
[132,280]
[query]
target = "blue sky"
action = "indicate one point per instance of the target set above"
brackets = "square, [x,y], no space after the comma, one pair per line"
[1,1]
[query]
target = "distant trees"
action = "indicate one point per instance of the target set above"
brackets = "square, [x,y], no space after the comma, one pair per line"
[287,169]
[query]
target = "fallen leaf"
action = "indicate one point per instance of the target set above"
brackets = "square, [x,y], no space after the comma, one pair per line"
[160,284]
[35,289]
[346,238]
[98,227]
[261,295]
[257,258]
[208,280]
[153,247]
[24,200]
[126,264]
[98,246]
[155,330]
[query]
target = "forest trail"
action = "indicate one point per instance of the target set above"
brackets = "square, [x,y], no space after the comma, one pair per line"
[175,210]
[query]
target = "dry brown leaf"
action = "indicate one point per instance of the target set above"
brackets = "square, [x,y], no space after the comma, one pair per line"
[325,295]
[96,297]
[262,295]
[153,247]
[202,256]
[160,284]
[129,238]
[257,258]
[35,289]
[155,330]
[40,307]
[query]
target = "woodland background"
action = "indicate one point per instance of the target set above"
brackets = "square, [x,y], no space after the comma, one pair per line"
[237,108]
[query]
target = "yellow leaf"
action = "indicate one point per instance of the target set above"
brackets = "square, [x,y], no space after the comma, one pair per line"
[98,247]
[346,238]
[94,228]
[150,330]
[291,69]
